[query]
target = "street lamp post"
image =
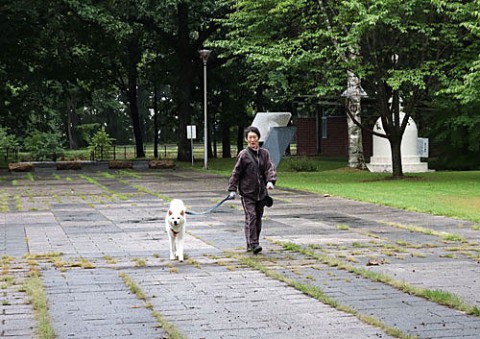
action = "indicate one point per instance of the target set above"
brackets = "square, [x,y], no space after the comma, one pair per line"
[204,54]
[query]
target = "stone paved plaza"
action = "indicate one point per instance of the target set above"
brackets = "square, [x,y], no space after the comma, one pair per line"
[330,268]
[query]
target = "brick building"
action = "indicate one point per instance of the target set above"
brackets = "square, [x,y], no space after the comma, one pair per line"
[327,136]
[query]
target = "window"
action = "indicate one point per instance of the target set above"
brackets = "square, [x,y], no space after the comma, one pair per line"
[324,128]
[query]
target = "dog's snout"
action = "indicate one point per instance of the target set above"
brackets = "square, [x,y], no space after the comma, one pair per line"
[175,223]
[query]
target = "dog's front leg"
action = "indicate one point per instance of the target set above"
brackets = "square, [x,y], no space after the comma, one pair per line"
[173,247]
[179,246]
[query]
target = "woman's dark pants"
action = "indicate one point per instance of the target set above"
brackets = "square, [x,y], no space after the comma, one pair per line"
[253,220]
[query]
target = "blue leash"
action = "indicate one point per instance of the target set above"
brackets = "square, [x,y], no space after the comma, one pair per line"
[210,209]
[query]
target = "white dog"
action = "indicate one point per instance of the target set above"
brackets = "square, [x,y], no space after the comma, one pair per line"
[175,222]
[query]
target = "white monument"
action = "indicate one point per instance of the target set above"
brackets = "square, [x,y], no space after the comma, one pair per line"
[265,121]
[275,134]
[381,161]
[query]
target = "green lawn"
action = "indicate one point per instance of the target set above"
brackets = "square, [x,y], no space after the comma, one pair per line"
[453,194]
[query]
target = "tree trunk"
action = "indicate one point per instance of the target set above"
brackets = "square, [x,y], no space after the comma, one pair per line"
[155,121]
[185,80]
[72,125]
[73,120]
[240,138]
[132,95]
[395,147]
[113,129]
[356,157]
[226,152]
[213,139]
[395,134]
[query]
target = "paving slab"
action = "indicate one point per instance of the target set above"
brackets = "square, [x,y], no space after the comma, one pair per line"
[89,230]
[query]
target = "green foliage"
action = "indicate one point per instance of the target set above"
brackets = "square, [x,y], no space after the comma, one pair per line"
[7,141]
[101,140]
[44,145]
[270,53]
[412,49]
[454,128]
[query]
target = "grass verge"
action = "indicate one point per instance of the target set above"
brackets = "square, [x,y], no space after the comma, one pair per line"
[453,194]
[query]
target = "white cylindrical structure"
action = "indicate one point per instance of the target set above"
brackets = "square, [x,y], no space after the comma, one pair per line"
[381,160]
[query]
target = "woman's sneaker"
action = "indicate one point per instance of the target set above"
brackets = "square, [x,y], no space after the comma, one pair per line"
[257,249]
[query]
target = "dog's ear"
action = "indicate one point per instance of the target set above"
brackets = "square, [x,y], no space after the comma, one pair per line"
[182,213]
[170,212]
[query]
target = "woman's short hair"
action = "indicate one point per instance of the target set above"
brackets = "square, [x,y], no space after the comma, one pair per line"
[252,129]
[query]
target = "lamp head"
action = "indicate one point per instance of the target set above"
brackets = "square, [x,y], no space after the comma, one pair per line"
[204,54]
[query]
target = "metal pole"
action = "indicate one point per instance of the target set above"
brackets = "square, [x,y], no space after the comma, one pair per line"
[205,115]
[191,141]
[204,54]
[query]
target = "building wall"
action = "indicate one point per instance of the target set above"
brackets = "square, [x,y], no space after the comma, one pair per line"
[306,136]
[334,143]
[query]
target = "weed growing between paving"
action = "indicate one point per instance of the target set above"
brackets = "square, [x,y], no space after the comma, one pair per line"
[446,299]
[314,292]
[4,198]
[145,190]
[172,331]
[343,227]
[129,174]
[139,262]
[96,183]
[35,289]
[18,202]
[6,279]
[466,249]
[110,260]
[192,262]
[442,297]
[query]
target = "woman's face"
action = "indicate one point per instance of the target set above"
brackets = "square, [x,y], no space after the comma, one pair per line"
[252,139]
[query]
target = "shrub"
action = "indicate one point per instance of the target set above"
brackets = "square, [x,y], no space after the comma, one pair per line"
[101,142]
[299,165]
[44,145]
[7,141]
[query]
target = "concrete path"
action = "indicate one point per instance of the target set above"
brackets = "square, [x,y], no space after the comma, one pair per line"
[98,239]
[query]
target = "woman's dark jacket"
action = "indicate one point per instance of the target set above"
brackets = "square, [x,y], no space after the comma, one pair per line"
[251,177]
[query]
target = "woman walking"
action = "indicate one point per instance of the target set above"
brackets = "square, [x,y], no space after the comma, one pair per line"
[253,174]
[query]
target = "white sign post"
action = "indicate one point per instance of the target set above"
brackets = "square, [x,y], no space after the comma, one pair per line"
[191,134]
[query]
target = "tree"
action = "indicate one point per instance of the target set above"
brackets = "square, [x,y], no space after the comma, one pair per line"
[20,54]
[183,30]
[115,39]
[456,126]
[405,49]
[284,43]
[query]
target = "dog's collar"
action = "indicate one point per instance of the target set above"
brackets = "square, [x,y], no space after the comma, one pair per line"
[174,232]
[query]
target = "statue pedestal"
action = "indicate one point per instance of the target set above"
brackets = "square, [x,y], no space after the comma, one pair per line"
[409,165]
[381,161]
